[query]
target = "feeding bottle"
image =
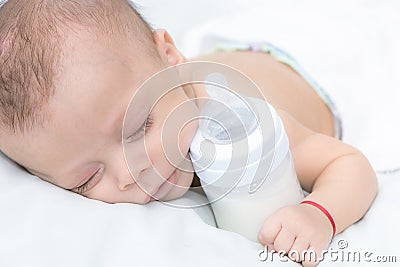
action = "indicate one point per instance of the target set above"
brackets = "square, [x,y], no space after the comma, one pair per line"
[241,155]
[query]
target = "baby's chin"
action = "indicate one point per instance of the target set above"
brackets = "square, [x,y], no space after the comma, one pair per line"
[181,187]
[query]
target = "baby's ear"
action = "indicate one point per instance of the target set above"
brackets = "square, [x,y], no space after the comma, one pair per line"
[166,48]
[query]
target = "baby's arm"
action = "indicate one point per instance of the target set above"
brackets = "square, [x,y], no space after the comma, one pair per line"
[339,178]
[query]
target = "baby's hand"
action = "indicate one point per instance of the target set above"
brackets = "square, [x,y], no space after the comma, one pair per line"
[297,228]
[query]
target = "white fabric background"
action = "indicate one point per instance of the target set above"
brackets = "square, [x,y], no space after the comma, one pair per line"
[350,47]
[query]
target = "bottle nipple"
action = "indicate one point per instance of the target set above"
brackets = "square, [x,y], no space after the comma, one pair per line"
[234,118]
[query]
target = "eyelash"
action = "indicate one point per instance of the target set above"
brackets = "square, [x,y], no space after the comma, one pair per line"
[83,188]
[145,126]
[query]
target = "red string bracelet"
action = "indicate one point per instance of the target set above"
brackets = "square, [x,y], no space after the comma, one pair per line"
[324,211]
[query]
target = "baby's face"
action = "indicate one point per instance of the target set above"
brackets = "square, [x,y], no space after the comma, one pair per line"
[80,148]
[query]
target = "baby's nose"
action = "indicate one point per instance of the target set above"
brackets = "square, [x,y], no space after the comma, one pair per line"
[125,180]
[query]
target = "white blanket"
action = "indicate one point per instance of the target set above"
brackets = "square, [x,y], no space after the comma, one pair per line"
[350,47]
[42,225]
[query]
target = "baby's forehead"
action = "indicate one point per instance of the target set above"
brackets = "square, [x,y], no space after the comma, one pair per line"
[97,80]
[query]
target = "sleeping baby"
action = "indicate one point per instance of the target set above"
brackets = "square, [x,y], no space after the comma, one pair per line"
[68,72]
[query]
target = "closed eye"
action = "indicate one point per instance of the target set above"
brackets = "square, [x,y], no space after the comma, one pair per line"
[143,128]
[90,183]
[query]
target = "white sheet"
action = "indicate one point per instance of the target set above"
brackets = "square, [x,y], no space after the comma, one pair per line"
[42,225]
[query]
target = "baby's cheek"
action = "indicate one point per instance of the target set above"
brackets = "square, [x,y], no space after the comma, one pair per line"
[181,187]
[154,148]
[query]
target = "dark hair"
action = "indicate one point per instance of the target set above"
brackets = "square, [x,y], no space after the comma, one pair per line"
[31,37]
